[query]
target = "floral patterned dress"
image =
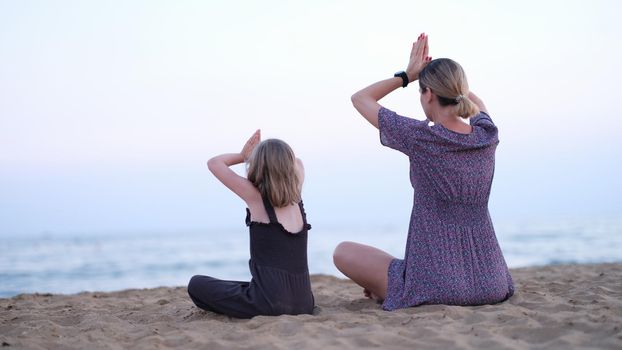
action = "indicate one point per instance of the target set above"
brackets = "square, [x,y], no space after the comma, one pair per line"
[452,254]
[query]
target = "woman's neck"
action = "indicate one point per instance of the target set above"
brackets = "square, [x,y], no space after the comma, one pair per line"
[451,121]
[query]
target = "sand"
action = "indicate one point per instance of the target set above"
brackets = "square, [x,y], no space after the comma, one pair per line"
[564,307]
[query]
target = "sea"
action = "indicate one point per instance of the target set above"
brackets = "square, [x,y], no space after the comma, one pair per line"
[67,263]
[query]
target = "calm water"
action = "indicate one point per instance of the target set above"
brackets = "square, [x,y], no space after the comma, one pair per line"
[70,263]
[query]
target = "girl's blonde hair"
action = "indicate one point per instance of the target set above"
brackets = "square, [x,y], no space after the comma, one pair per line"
[447,80]
[272,169]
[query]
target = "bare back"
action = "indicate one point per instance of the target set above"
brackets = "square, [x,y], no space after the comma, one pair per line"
[289,217]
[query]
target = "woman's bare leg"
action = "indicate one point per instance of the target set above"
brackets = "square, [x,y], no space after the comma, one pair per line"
[365,265]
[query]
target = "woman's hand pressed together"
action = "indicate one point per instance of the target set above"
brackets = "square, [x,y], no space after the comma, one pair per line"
[418,57]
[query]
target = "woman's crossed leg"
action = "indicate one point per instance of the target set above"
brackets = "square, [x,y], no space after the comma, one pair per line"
[366,266]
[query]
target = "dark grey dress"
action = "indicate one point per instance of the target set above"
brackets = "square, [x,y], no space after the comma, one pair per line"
[280,281]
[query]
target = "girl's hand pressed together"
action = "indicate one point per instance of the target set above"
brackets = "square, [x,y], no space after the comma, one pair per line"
[250,145]
[220,167]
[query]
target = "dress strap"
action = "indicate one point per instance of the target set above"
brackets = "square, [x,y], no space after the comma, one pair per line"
[304,216]
[248,217]
[269,209]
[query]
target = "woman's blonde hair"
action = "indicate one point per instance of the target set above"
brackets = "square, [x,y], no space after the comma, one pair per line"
[447,80]
[272,169]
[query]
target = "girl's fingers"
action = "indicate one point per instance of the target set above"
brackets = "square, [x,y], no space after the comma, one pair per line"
[252,142]
[256,136]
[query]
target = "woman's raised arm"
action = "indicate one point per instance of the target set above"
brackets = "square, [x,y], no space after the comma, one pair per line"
[366,100]
[478,102]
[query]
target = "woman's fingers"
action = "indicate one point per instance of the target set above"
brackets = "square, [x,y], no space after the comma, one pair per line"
[416,46]
[421,43]
[418,56]
[413,51]
[420,40]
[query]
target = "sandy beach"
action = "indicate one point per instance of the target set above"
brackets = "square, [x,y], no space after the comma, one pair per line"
[564,307]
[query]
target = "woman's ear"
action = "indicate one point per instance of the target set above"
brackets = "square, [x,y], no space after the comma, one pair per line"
[429,96]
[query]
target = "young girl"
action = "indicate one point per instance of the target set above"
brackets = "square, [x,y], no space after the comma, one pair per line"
[280,281]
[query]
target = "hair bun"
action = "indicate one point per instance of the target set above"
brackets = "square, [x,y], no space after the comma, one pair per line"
[447,80]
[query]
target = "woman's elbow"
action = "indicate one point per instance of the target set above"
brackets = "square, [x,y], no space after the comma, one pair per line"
[356,99]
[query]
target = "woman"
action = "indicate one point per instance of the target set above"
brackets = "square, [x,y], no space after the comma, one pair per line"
[452,254]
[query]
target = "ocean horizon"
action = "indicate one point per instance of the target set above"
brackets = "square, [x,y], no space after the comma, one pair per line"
[73,262]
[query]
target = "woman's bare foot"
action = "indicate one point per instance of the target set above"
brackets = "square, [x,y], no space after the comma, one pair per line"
[370,295]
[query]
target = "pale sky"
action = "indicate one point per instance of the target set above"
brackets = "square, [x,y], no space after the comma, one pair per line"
[109,109]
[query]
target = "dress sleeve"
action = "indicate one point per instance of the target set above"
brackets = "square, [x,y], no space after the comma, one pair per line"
[483,120]
[490,133]
[398,132]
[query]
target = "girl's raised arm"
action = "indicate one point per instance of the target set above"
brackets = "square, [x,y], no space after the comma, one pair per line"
[219,166]
[300,171]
